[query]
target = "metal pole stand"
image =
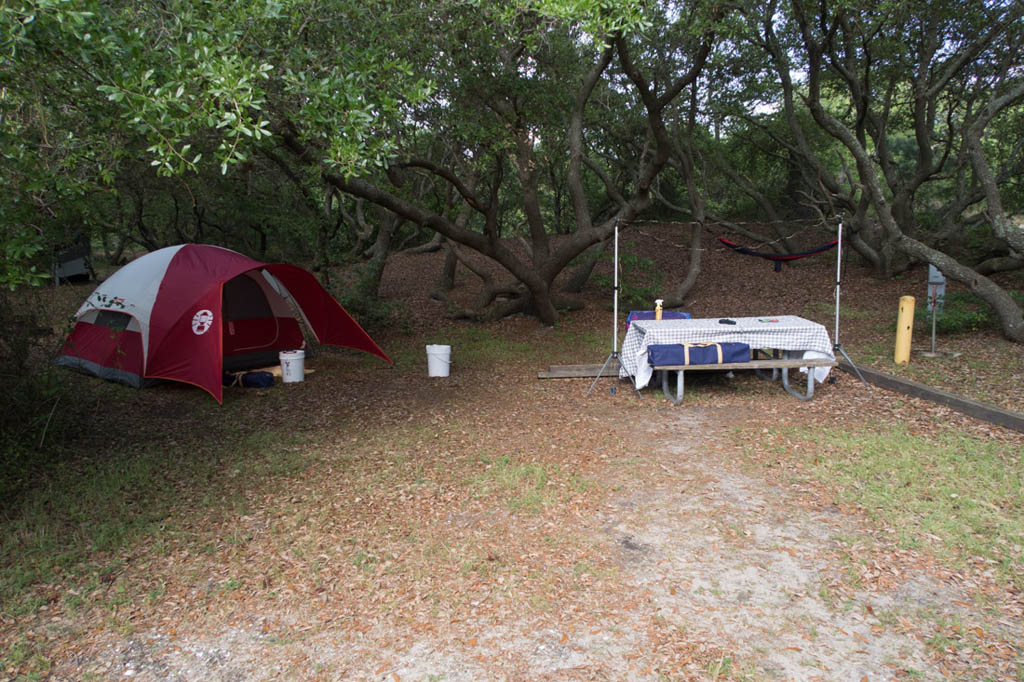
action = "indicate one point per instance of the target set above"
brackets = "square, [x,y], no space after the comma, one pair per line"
[836,346]
[614,355]
[611,356]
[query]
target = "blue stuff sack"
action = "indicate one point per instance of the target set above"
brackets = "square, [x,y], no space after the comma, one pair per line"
[257,380]
[248,380]
[659,355]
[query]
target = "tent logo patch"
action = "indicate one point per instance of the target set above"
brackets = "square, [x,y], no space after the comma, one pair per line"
[201,322]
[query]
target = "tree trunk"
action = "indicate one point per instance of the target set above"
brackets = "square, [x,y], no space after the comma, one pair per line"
[446,281]
[581,275]
[1000,221]
[683,289]
[697,203]
[435,244]
[999,264]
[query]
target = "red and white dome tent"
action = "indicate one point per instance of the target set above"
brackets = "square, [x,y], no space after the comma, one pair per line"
[189,312]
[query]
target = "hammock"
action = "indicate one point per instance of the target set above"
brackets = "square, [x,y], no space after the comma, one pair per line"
[777,258]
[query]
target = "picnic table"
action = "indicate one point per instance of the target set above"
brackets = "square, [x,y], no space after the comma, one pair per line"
[778,343]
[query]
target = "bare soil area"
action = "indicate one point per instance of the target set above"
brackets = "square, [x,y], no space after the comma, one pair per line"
[492,526]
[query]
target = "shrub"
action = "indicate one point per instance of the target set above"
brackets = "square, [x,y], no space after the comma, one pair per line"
[962,312]
[372,313]
[639,279]
[32,394]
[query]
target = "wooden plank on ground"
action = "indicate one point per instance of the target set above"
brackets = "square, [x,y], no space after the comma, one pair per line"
[273,369]
[578,371]
[973,408]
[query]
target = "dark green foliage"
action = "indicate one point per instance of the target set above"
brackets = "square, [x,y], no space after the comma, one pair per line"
[639,279]
[962,313]
[372,313]
[33,419]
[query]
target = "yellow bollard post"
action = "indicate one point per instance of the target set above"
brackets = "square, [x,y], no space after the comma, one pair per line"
[904,330]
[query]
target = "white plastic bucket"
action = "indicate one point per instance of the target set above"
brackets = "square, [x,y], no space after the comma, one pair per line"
[293,365]
[438,360]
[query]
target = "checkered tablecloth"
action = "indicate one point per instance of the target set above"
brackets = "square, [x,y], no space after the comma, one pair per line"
[782,332]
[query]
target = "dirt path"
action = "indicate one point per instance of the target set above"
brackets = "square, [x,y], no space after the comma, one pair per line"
[733,559]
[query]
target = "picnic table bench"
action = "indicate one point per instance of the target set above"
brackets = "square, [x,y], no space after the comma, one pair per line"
[778,366]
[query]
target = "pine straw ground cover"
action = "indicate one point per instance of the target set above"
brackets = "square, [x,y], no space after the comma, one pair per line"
[372,523]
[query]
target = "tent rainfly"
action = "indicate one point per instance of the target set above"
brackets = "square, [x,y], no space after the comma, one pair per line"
[189,312]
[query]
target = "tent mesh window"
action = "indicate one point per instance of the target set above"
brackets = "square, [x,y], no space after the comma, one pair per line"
[113,319]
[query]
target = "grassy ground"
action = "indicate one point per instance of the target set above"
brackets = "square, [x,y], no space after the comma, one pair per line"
[956,494]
